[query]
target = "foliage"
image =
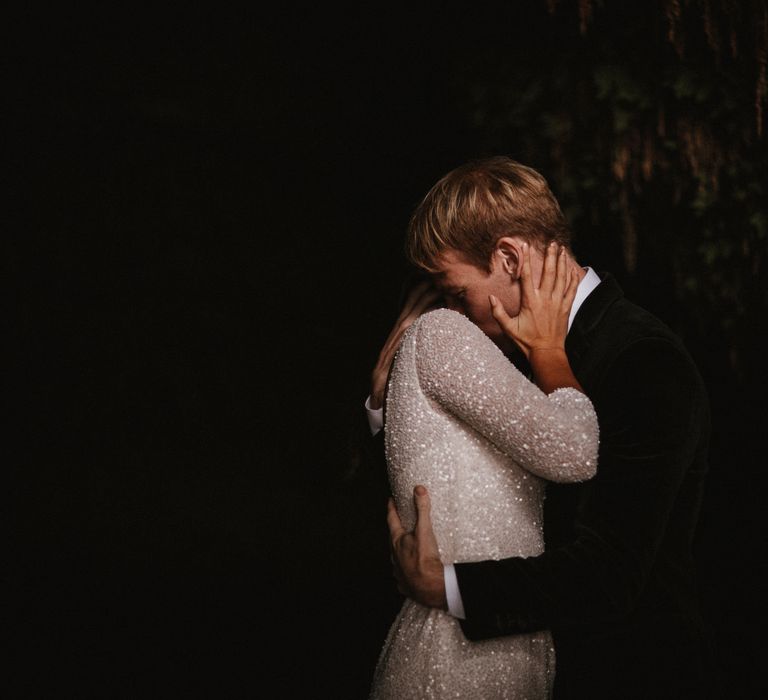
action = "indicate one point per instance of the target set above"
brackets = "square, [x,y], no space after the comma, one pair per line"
[649,120]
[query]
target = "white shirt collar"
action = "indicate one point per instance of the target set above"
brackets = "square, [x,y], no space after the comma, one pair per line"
[585,288]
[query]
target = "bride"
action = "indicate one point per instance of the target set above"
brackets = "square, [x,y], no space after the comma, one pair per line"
[465,423]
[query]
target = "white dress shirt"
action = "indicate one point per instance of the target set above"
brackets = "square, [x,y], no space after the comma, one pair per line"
[376,423]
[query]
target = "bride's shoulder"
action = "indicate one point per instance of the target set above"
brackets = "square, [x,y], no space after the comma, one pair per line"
[447,343]
[443,317]
[445,323]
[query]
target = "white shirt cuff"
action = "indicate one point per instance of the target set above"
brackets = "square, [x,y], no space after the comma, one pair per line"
[452,593]
[375,417]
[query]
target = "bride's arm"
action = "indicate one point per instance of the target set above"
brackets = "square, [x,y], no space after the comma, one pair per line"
[460,368]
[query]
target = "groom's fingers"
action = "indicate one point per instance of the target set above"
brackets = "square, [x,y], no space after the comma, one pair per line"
[423,513]
[396,530]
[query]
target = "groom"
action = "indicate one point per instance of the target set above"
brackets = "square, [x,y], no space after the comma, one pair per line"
[616,582]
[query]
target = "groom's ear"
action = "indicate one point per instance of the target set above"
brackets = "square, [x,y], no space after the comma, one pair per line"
[508,252]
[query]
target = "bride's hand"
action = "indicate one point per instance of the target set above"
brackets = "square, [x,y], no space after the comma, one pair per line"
[542,322]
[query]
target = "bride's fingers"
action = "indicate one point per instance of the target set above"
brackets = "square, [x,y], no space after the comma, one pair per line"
[526,278]
[573,286]
[500,314]
[425,301]
[547,283]
[561,277]
[414,297]
[396,530]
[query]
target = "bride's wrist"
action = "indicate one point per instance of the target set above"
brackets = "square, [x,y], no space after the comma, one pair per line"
[551,369]
[546,351]
[546,357]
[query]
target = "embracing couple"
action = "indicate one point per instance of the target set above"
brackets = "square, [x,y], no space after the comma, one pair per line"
[593,596]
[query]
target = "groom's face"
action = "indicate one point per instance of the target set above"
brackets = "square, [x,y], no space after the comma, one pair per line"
[466,288]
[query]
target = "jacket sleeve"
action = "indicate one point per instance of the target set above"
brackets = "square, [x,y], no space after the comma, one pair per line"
[649,404]
[554,436]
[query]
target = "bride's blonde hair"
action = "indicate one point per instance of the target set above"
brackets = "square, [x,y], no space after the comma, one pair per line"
[473,206]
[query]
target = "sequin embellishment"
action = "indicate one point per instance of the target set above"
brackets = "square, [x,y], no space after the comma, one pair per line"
[464,422]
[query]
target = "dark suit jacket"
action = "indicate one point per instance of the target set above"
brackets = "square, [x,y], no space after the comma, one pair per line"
[616,582]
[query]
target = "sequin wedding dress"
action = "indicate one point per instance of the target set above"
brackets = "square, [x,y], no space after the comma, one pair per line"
[463,421]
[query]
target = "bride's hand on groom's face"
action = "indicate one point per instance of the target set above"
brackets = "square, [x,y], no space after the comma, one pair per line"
[423,297]
[542,322]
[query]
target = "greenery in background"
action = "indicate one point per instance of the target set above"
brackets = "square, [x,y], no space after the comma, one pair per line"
[649,121]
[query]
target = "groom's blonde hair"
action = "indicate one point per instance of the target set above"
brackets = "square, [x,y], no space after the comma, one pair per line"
[473,206]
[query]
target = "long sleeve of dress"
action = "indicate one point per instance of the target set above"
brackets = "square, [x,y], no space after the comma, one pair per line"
[554,436]
[650,433]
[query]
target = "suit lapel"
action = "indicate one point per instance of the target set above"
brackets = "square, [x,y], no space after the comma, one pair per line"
[589,315]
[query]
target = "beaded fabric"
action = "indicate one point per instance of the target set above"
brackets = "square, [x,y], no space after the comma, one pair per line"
[465,423]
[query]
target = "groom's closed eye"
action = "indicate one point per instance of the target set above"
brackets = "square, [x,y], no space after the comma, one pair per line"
[455,299]
[455,292]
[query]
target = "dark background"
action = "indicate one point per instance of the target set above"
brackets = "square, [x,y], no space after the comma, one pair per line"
[207,211]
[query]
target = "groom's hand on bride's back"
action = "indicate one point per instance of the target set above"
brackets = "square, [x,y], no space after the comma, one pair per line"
[415,557]
[422,297]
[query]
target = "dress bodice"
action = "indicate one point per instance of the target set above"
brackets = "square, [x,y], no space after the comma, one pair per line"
[465,423]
